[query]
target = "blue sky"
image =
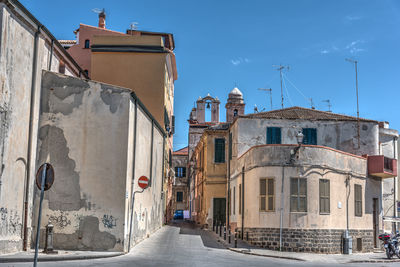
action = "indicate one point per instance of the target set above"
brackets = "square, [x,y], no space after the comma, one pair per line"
[220,44]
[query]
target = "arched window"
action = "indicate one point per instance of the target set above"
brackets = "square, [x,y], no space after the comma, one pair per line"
[87,43]
[235,112]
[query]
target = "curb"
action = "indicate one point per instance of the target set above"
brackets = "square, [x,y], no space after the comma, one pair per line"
[374,261]
[264,255]
[59,258]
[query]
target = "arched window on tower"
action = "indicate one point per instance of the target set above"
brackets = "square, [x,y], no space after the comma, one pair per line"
[235,112]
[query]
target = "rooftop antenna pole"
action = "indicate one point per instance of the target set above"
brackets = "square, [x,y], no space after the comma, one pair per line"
[358,111]
[312,103]
[280,68]
[329,104]
[270,93]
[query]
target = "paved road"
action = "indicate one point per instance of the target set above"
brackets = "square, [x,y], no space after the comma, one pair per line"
[181,245]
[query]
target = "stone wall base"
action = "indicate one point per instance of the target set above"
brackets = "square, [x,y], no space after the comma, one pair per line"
[309,240]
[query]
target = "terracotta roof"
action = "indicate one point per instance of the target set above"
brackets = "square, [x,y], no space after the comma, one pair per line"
[182,151]
[64,42]
[299,113]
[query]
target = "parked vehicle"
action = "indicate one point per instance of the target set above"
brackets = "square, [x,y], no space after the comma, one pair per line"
[390,243]
[178,215]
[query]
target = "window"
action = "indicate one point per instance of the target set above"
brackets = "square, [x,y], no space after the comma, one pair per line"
[86,72]
[274,135]
[240,199]
[267,194]
[310,136]
[235,112]
[219,150]
[298,194]
[179,196]
[324,196]
[230,145]
[234,200]
[180,172]
[358,200]
[87,43]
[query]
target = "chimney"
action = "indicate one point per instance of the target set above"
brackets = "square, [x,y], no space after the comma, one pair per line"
[102,19]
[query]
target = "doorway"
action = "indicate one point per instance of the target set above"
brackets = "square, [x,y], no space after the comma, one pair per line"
[375,220]
[219,210]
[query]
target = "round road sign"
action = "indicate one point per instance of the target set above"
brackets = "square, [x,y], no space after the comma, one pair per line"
[49,177]
[143,182]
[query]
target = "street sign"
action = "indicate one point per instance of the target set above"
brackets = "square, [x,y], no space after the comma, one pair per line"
[49,177]
[143,182]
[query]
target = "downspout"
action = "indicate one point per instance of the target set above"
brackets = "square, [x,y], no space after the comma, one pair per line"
[394,187]
[151,153]
[30,133]
[51,54]
[133,174]
[242,202]
[282,206]
[229,186]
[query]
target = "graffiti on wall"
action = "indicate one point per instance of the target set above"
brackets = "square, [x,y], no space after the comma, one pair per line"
[61,220]
[10,222]
[109,221]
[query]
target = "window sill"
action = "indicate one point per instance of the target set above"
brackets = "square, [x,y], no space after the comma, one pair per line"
[324,213]
[300,212]
[267,210]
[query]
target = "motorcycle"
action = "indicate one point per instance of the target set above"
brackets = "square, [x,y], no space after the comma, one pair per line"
[390,244]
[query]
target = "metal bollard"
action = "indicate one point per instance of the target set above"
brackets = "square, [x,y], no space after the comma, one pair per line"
[224,232]
[247,236]
[235,237]
[229,235]
[216,228]
[213,225]
[48,248]
[220,230]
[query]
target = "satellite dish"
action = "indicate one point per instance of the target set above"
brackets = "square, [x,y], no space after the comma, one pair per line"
[133,25]
[97,10]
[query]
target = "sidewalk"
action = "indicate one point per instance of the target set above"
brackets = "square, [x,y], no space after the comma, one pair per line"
[63,255]
[245,248]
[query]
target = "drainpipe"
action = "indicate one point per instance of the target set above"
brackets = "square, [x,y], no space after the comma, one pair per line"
[30,133]
[242,202]
[229,182]
[282,206]
[394,187]
[51,54]
[133,174]
[151,153]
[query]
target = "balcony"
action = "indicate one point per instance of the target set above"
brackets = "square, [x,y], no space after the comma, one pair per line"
[382,166]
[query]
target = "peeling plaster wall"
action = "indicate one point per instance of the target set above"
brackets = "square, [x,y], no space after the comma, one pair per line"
[341,135]
[16,62]
[87,134]
[313,163]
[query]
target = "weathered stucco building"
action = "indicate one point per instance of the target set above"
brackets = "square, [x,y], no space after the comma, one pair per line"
[100,139]
[208,154]
[178,186]
[302,197]
[26,48]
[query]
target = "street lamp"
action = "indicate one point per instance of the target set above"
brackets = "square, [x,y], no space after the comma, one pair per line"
[299,137]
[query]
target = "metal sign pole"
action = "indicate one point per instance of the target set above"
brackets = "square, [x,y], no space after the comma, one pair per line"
[40,214]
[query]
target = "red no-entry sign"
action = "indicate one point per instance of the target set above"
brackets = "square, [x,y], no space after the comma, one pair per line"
[143,182]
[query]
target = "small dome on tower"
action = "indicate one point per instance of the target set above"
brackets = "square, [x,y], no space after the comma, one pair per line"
[236,91]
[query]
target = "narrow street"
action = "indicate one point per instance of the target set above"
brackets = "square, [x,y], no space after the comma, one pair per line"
[182,244]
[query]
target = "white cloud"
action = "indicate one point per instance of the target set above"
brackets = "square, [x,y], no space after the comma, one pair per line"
[240,60]
[352,18]
[325,51]
[354,48]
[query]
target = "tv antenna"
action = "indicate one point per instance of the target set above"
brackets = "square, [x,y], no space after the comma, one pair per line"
[329,104]
[280,68]
[311,103]
[270,93]
[358,112]
[133,26]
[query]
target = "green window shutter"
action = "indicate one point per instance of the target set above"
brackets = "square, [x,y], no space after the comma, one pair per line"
[324,196]
[358,200]
[274,135]
[310,136]
[230,145]
[219,150]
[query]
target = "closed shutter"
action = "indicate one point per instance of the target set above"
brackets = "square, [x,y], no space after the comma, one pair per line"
[230,146]
[324,196]
[263,193]
[358,200]
[271,194]
[274,135]
[219,150]
[310,136]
